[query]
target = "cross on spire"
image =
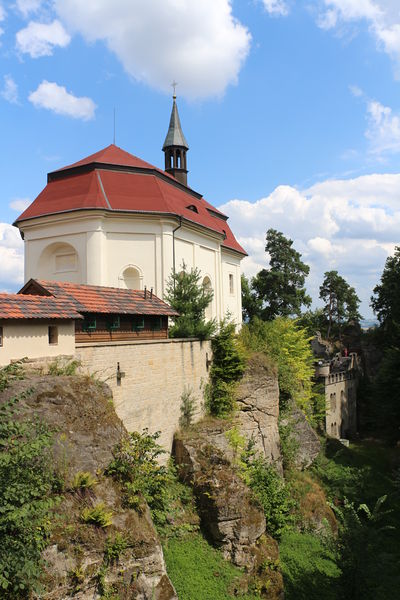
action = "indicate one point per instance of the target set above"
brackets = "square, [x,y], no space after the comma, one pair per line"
[173,85]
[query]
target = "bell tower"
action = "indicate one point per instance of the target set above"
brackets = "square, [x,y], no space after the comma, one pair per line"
[175,146]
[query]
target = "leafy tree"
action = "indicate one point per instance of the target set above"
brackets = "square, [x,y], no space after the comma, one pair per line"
[288,346]
[313,321]
[227,368]
[281,287]
[190,299]
[26,500]
[251,305]
[385,301]
[341,301]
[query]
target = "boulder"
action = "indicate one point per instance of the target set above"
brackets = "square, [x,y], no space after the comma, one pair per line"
[258,403]
[308,444]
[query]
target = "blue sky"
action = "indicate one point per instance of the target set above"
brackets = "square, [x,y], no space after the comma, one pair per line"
[291,110]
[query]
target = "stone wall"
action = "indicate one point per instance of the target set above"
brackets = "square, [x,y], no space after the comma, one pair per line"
[153,376]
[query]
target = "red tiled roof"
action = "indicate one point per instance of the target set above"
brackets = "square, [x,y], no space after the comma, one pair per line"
[146,189]
[100,299]
[14,306]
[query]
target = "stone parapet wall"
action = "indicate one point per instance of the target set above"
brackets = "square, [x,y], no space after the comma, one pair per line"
[153,376]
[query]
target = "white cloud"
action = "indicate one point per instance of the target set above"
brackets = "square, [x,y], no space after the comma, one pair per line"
[276,7]
[381,16]
[200,44]
[11,255]
[383,130]
[40,39]
[55,97]
[27,7]
[349,225]
[20,204]
[10,90]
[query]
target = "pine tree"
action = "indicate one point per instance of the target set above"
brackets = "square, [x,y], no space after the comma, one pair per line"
[341,301]
[281,287]
[190,299]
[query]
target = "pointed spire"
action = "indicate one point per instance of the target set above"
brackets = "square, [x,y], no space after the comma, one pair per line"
[175,135]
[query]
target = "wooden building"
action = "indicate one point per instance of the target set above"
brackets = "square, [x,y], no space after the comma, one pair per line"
[107,314]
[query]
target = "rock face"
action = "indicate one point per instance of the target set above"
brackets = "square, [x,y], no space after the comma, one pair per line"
[230,517]
[258,402]
[87,430]
[307,440]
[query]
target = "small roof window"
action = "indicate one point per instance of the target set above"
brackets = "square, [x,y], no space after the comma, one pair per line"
[193,208]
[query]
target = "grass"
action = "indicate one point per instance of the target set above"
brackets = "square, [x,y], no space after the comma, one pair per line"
[199,571]
[309,567]
[363,565]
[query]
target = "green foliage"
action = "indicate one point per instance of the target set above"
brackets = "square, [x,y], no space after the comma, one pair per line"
[199,571]
[309,567]
[273,494]
[97,515]
[341,301]
[385,301]
[313,321]
[364,552]
[289,444]
[58,367]
[281,288]
[84,480]
[188,408]
[115,546]
[26,498]
[10,373]
[251,305]
[135,465]
[226,370]
[190,298]
[288,347]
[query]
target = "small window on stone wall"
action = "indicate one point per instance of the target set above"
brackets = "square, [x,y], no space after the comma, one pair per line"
[53,335]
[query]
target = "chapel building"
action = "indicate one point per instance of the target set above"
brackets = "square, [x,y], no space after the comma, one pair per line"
[115,220]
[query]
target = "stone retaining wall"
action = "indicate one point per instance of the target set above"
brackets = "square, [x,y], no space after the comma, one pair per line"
[152,376]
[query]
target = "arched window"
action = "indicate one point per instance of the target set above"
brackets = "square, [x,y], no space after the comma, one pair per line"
[59,261]
[131,279]
[208,287]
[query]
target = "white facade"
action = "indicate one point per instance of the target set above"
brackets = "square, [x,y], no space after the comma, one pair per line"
[30,338]
[131,250]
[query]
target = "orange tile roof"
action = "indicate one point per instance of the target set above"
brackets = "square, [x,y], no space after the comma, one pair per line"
[101,299]
[15,306]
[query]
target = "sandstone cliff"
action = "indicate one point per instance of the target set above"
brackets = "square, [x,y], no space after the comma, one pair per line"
[87,428]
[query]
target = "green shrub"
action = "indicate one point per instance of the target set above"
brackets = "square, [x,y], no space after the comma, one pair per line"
[287,345]
[115,546]
[273,494]
[135,465]
[57,368]
[97,515]
[289,444]
[226,370]
[188,408]
[309,567]
[26,499]
[84,480]
[10,373]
